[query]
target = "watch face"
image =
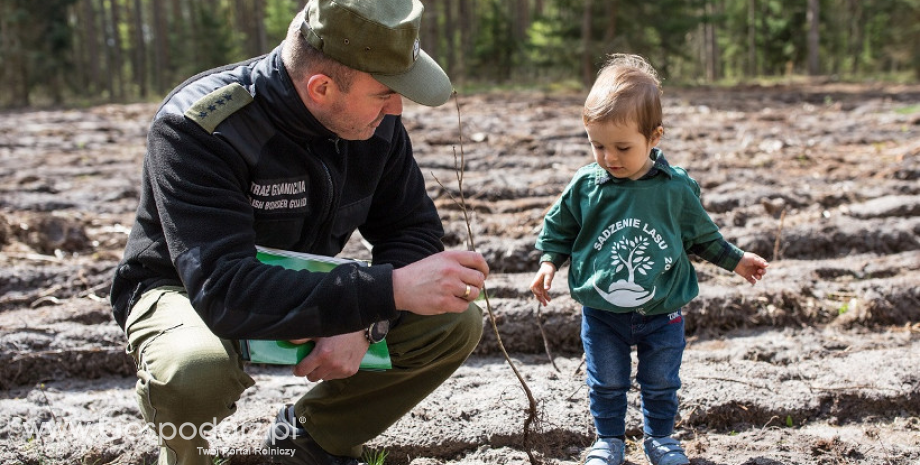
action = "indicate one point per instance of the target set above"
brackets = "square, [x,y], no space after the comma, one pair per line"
[377,331]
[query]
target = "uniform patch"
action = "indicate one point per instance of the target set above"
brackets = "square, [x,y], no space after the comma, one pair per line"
[214,108]
[285,195]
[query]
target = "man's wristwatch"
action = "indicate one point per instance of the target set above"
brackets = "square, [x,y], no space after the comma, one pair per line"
[377,331]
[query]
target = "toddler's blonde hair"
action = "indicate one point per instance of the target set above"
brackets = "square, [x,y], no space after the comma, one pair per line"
[627,89]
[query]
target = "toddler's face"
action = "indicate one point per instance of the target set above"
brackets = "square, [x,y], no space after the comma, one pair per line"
[621,149]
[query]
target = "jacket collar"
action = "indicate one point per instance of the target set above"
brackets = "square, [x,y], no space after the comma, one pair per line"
[275,89]
[661,165]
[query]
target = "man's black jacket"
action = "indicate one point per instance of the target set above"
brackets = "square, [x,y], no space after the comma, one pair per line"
[234,159]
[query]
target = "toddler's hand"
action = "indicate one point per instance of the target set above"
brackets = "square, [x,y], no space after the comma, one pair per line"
[752,267]
[543,281]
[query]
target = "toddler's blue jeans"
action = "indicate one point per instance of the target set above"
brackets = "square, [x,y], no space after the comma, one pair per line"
[659,341]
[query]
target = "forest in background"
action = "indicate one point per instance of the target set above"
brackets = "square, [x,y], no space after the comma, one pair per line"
[77,52]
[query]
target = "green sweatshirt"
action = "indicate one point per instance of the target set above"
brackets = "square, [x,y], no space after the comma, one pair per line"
[628,240]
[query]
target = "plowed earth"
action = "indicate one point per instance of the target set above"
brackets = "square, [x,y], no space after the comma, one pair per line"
[817,364]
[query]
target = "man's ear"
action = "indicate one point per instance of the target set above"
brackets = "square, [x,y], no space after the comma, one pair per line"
[320,88]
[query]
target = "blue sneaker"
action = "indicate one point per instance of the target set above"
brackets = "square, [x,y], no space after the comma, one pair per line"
[606,451]
[664,451]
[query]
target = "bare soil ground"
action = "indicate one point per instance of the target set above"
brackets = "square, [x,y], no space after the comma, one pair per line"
[817,364]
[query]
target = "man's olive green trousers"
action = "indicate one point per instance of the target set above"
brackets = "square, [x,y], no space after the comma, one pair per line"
[189,379]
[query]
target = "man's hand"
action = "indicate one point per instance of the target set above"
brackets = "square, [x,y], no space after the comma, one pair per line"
[445,282]
[334,357]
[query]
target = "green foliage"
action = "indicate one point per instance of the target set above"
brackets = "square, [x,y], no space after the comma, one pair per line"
[845,307]
[494,54]
[222,46]
[375,457]
[46,49]
[278,15]
[36,39]
[551,44]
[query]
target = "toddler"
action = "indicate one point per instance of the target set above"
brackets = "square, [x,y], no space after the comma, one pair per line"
[628,222]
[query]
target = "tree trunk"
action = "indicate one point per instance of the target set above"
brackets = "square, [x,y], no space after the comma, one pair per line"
[91,45]
[752,38]
[77,74]
[465,12]
[763,16]
[813,19]
[713,64]
[610,31]
[106,33]
[242,12]
[855,28]
[913,36]
[160,47]
[14,71]
[429,32]
[178,16]
[587,57]
[521,20]
[118,61]
[450,40]
[179,36]
[261,35]
[190,13]
[139,50]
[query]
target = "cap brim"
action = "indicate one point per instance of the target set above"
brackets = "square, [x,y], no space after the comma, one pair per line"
[426,83]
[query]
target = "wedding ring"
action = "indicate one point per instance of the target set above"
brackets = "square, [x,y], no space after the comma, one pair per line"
[467,293]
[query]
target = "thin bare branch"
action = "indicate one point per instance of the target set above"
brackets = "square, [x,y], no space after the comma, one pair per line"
[549,353]
[459,163]
[779,234]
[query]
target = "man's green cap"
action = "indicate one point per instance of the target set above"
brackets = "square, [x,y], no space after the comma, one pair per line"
[379,37]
